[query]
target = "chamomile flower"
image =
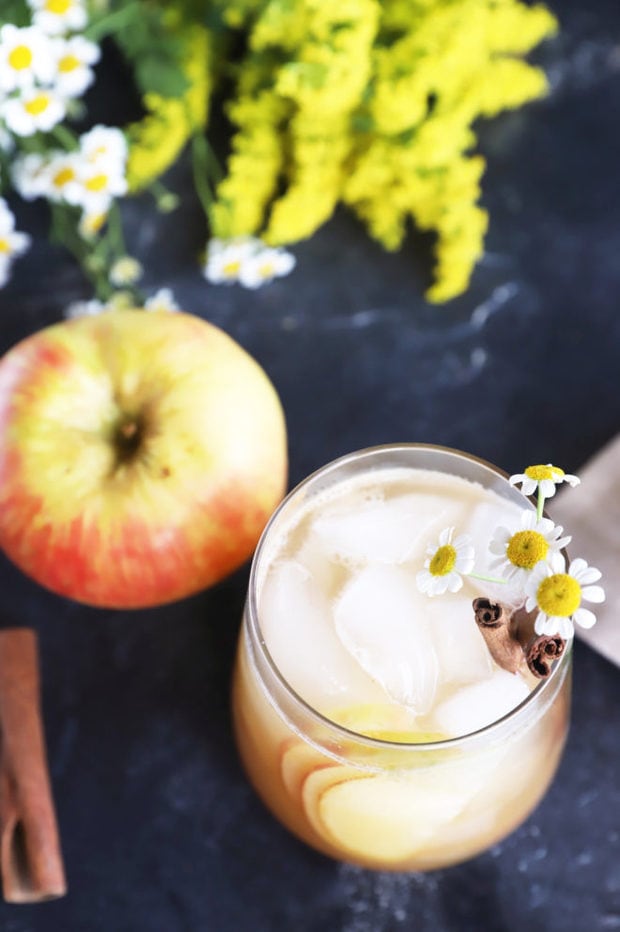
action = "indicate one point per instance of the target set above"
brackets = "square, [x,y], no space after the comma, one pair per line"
[558,595]
[60,177]
[26,57]
[542,478]
[84,308]
[74,58]
[99,183]
[58,17]
[105,143]
[37,110]
[265,265]
[125,271]
[29,176]
[12,243]
[446,564]
[518,551]
[226,259]
[162,300]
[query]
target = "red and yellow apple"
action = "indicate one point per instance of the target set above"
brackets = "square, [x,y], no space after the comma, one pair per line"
[141,455]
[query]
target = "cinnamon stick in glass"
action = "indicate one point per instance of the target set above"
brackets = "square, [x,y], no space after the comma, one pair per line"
[494,621]
[31,864]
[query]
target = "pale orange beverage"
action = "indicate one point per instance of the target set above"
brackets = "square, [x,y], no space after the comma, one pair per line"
[370,718]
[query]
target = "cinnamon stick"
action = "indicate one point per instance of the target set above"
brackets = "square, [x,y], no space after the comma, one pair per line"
[542,652]
[31,863]
[495,623]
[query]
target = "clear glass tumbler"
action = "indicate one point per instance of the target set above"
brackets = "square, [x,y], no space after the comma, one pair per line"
[380,803]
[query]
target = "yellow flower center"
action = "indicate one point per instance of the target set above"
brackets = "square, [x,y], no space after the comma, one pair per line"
[37,105]
[231,268]
[526,548]
[63,177]
[537,473]
[267,270]
[68,63]
[4,245]
[559,594]
[97,183]
[20,57]
[443,561]
[58,7]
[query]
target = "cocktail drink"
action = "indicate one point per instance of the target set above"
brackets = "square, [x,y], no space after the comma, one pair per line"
[371,713]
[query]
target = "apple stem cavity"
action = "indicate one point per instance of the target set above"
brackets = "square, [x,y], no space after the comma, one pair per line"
[128,438]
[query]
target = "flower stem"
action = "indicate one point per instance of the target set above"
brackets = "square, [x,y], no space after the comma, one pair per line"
[484,578]
[200,157]
[65,137]
[540,505]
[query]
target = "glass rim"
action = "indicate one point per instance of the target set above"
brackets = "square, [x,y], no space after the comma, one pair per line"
[322,720]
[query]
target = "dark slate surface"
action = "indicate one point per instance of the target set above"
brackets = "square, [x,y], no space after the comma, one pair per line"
[161,832]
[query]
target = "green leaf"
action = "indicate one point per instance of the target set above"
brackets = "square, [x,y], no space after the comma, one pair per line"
[159,77]
[16,12]
[155,51]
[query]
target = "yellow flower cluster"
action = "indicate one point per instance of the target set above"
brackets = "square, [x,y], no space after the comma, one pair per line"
[447,65]
[156,141]
[373,104]
[294,118]
[366,102]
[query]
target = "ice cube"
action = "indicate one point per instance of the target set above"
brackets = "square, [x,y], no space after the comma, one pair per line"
[326,572]
[389,531]
[462,654]
[297,623]
[380,619]
[479,704]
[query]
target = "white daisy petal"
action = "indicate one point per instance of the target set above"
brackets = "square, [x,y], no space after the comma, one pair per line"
[529,486]
[583,573]
[565,628]
[446,535]
[576,566]
[584,617]
[541,625]
[593,593]
[557,562]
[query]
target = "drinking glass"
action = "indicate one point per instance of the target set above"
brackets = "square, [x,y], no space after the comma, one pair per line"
[378,802]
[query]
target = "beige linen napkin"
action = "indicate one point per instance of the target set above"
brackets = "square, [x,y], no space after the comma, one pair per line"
[590,513]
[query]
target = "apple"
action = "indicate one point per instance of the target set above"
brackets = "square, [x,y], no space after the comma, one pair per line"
[141,454]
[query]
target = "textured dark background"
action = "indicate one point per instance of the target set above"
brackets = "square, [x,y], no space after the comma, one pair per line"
[161,831]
